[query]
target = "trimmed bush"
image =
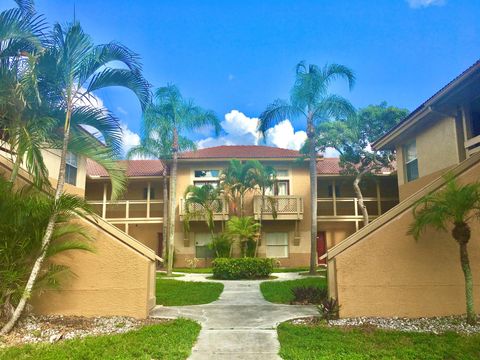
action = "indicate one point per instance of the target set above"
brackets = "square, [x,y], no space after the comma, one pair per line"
[242,268]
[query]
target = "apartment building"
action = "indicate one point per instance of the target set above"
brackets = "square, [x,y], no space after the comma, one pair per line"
[285,235]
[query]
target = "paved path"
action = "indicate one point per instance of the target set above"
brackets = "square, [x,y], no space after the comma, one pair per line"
[240,324]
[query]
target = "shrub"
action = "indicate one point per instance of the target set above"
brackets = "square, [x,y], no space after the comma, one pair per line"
[329,309]
[308,295]
[242,268]
[221,246]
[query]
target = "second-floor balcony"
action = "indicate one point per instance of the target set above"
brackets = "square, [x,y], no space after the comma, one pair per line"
[196,211]
[280,207]
[347,208]
[129,211]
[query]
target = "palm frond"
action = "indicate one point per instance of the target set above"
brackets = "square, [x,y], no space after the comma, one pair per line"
[278,111]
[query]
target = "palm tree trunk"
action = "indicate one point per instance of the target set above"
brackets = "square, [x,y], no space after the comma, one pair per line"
[467,273]
[358,192]
[16,168]
[165,213]
[46,237]
[173,205]
[313,194]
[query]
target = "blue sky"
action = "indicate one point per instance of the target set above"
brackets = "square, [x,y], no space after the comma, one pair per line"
[240,55]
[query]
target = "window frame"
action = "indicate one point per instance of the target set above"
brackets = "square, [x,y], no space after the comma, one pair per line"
[207,250]
[407,163]
[71,168]
[286,246]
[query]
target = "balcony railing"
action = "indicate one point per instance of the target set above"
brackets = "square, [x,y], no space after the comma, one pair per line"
[346,208]
[197,209]
[129,211]
[281,207]
[472,145]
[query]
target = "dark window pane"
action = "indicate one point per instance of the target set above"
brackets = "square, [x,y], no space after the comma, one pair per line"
[70,175]
[412,170]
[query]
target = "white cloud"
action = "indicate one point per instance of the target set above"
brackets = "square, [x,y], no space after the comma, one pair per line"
[242,130]
[331,153]
[130,138]
[416,4]
[122,110]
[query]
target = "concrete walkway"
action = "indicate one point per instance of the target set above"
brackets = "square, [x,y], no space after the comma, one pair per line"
[240,324]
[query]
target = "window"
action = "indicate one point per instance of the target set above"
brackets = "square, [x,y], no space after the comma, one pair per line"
[330,191]
[411,162]
[71,169]
[282,173]
[152,193]
[204,177]
[202,250]
[277,244]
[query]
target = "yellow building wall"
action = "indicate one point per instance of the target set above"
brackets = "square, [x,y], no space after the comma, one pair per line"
[387,273]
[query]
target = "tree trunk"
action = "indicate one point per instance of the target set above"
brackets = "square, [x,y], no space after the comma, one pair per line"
[47,237]
[260,222]
[165,213]
[313,194]
[461,233]
[16,168]
[173,205]
[358,192]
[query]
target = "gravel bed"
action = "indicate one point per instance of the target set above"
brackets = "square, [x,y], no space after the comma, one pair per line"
[434,325]
[36,329]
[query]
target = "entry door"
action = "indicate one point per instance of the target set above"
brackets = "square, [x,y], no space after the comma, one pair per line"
[160,244]
[321,246]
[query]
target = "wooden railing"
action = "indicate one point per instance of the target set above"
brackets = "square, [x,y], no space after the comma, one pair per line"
[281,207]
[197,209]
[347,207]
[472,145]
[129,211]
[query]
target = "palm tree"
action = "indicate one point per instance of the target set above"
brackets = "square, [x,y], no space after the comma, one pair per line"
[179,115]
[262,178]
[71,69]
[452,209]
[204,202]
[235,183]
[310,101]
[156,142]
[245,229]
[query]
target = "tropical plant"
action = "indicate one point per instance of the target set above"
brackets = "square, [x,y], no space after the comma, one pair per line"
[262,178]
[179,115]
[310,101]
[352,138]
[304,295]
[235,182]
[24,216]
[451,209]
[70,69]
[221,245]
[156,142]
[202,202]
[243,228]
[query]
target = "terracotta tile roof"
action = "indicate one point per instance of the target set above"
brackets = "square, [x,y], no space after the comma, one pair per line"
[331,166]
[134,168]
[240,152]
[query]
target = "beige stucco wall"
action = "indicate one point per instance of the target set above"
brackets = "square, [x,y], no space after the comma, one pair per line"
[437,149]
[299,185]
[388,273]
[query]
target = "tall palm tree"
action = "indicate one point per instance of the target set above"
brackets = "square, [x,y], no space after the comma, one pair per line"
[181,115]
[452,209]
[311,101]
[235,183]
[262,178]
[207,199]
[157,142]
[71,69]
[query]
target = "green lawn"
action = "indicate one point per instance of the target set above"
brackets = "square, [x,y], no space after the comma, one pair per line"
[318,342]
[171,340]
[175,292]
[164,274]
[194,271]
[280,291]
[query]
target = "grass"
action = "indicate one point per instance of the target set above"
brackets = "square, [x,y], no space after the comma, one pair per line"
[177,293]
[161,274]
[289,270]
[170,340]
[194,271]
[280,292]
[319,342]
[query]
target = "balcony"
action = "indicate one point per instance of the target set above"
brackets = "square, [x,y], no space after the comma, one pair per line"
[472,145]
[129,211]
[284,207]
[197,209]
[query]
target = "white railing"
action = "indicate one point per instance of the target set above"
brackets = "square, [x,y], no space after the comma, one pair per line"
[128,211]
[281,207]
[472,145]
[196,209]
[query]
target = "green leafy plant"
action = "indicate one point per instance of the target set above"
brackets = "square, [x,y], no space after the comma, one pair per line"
[221,246]
[329,309]
[246,230]
[452,209]
[243,268]
[24,215]
[308,295]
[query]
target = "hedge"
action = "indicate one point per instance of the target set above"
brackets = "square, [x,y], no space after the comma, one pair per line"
[242,268]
